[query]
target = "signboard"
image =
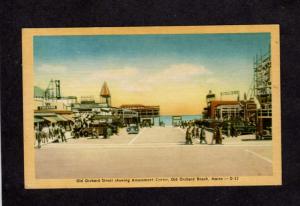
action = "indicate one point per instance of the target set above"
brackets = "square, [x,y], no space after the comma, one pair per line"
[46,107]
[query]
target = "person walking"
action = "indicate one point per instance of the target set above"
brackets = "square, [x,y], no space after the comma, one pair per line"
[233,131]
[76,130]
[109,132]
[45,134]
[228,129]
[51,132]
[117,130]
[197,132]
[38,136]
[105,132]
[189,135]
[214,136]
[202,135]
[193,132]
[56,132]
[94,133]
[63,133]
[219,135]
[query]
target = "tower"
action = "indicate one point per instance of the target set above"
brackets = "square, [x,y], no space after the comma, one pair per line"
[53,90]
[105,97]
[210,97]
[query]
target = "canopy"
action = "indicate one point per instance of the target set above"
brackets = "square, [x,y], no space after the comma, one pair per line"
[37,120]
[50,119]
[60,118]
[68,117]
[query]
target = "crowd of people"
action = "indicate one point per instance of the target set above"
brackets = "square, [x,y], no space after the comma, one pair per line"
[85,126]
[93,129]
[49,132]
[199,132]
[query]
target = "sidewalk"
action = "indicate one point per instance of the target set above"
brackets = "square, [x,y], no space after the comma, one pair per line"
[68,136]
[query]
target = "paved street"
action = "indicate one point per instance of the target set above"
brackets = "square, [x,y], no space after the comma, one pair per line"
[154,152]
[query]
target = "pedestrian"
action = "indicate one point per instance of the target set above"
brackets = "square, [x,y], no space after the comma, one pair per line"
[45,134]
[214,136]
[117,130]
[38,136]
[77,129]
[218,135]
[197,132]
[228,129]
[62,133]
[189,135]
[202,135]
[56,131]
[109,132]
[234,132]
[51,131]
[105,132]
[94,133]
[193,132]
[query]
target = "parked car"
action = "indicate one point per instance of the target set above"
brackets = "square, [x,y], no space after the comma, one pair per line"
[89,130]
[133,129]
[264,134]
[241,127]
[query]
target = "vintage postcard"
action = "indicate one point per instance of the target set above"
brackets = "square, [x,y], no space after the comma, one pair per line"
[151,106]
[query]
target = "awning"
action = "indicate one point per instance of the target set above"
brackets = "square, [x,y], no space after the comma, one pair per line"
[37,120]
[60,118]
[68,117]
[50,119]
[44,114]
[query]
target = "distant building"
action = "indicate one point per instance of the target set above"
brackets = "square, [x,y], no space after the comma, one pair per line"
[222,110]
[225,110]
[54,116]
[88,103]
[146,114]
[42,102]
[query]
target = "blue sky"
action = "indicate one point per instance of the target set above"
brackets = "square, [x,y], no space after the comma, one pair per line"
[197,62]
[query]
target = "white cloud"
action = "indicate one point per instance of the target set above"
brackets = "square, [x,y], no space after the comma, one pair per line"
[182,72]
[129,79]
[51,69]
[115,74]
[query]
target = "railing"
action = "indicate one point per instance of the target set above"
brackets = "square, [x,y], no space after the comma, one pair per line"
[264,113]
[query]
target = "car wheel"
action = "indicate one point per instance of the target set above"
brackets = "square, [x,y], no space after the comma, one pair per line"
[86,134]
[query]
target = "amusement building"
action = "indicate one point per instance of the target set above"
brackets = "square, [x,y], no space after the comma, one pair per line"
[52,108]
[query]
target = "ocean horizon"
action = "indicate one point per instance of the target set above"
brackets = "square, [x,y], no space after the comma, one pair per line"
[167,119]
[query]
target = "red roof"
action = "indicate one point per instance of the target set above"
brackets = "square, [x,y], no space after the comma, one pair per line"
[216,103]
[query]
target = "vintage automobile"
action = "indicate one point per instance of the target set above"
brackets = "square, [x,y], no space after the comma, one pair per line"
[241,127]
[133,129]
[98,129]
[265,134]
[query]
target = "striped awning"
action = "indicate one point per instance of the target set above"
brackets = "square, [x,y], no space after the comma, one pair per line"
[60,118]
[50,119]
[37,120]
[68,117]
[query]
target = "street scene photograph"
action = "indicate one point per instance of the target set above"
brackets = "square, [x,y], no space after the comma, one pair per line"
[154,105]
